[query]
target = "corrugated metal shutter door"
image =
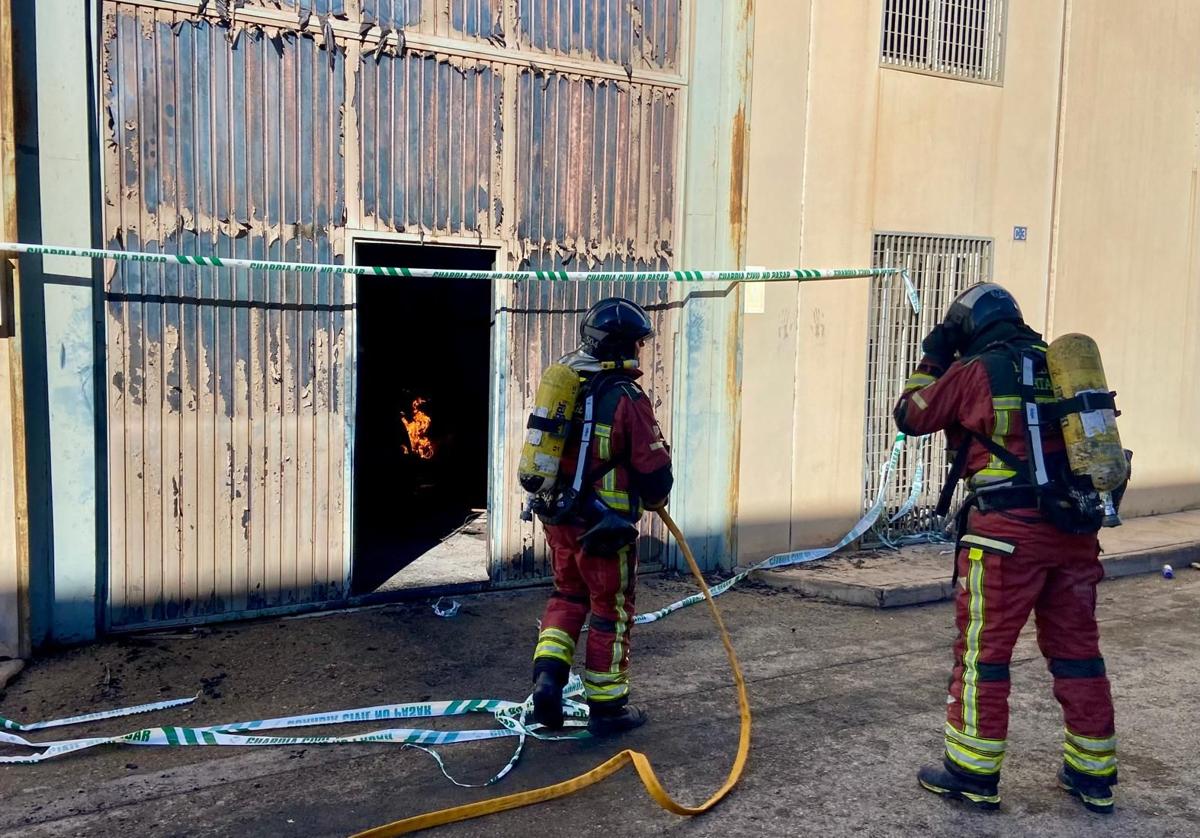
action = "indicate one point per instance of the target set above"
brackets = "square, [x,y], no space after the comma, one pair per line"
[228,391]
[230,394]
[595,164]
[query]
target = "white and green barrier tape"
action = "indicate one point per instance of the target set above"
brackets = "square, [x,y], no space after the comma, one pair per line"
[799,556]
[791,275]
[8,724]
[914,493]
[510,715]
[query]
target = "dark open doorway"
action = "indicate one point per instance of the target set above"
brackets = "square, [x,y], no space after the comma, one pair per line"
[421,437]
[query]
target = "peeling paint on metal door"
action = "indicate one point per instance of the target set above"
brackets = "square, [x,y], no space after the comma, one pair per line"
[271,130]
[226,389]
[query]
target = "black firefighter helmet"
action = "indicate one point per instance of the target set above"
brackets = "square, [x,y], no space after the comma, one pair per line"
[612,328]
[976,309]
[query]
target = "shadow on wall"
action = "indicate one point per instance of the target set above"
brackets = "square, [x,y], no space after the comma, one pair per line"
[651,549]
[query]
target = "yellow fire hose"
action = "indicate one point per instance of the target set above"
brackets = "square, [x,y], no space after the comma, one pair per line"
[639,761]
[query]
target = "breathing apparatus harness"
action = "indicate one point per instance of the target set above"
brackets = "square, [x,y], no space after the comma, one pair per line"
[578,503]
[1043,482]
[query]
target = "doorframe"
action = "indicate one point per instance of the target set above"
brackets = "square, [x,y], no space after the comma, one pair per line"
[496,384]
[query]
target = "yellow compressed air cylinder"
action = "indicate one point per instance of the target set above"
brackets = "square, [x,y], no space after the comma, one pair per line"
[549,425]
[1093,444]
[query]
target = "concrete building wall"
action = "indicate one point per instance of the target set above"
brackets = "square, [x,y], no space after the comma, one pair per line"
[1126,267]
[794,147]
[54,133]
[64,170]
[156,480]
[842,147]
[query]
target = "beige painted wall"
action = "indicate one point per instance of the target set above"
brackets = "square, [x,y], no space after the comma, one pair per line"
[841,147]
[800,471]
[1127,269]
[774,212]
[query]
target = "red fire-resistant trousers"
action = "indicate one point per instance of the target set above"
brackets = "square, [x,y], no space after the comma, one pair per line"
[1009,564]
[603,586]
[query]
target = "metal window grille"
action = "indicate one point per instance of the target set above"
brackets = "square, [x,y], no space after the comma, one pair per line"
[941,267]
[963,39]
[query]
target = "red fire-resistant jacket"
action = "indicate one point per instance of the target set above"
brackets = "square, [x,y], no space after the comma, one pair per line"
[626,433]
[963,398]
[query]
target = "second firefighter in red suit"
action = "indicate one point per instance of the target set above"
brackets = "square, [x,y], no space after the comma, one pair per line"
[594,556]
[1011,559]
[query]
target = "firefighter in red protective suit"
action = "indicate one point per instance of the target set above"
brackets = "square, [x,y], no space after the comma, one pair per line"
[594,551]
[1016,553]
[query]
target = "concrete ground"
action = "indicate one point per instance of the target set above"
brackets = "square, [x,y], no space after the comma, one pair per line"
[847,704]
[460,559]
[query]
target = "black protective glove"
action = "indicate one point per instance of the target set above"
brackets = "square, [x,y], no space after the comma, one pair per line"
[939,345]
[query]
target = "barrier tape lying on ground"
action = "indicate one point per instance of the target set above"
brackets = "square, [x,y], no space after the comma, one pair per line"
[791,275]
[799,556]
[509,714]
[9,724]
[638,760]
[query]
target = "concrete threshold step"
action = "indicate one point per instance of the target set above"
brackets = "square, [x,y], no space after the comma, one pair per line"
[921,573]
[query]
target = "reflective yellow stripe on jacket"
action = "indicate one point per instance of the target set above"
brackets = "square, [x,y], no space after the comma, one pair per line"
[617,499]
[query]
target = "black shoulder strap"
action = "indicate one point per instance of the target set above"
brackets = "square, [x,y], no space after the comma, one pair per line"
[952,477]
[998,360]
[595,393]
[608,393]
[599,384]
[1002,454]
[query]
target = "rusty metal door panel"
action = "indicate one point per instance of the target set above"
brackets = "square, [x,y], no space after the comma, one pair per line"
[228,391]
[474,19]
[430,144]
[595,169]
[639,35]
[320,8]
[467,18]
[231,394]
[395,14]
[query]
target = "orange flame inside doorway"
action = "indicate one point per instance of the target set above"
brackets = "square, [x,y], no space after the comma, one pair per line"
[418,431]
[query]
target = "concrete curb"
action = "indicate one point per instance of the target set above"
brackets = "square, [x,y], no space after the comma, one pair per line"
[862,594]
[858,588]
[1178,556]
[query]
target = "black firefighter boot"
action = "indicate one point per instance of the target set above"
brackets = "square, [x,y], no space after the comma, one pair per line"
[948,780]
[1095,793]
[548,685]
[605,720]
